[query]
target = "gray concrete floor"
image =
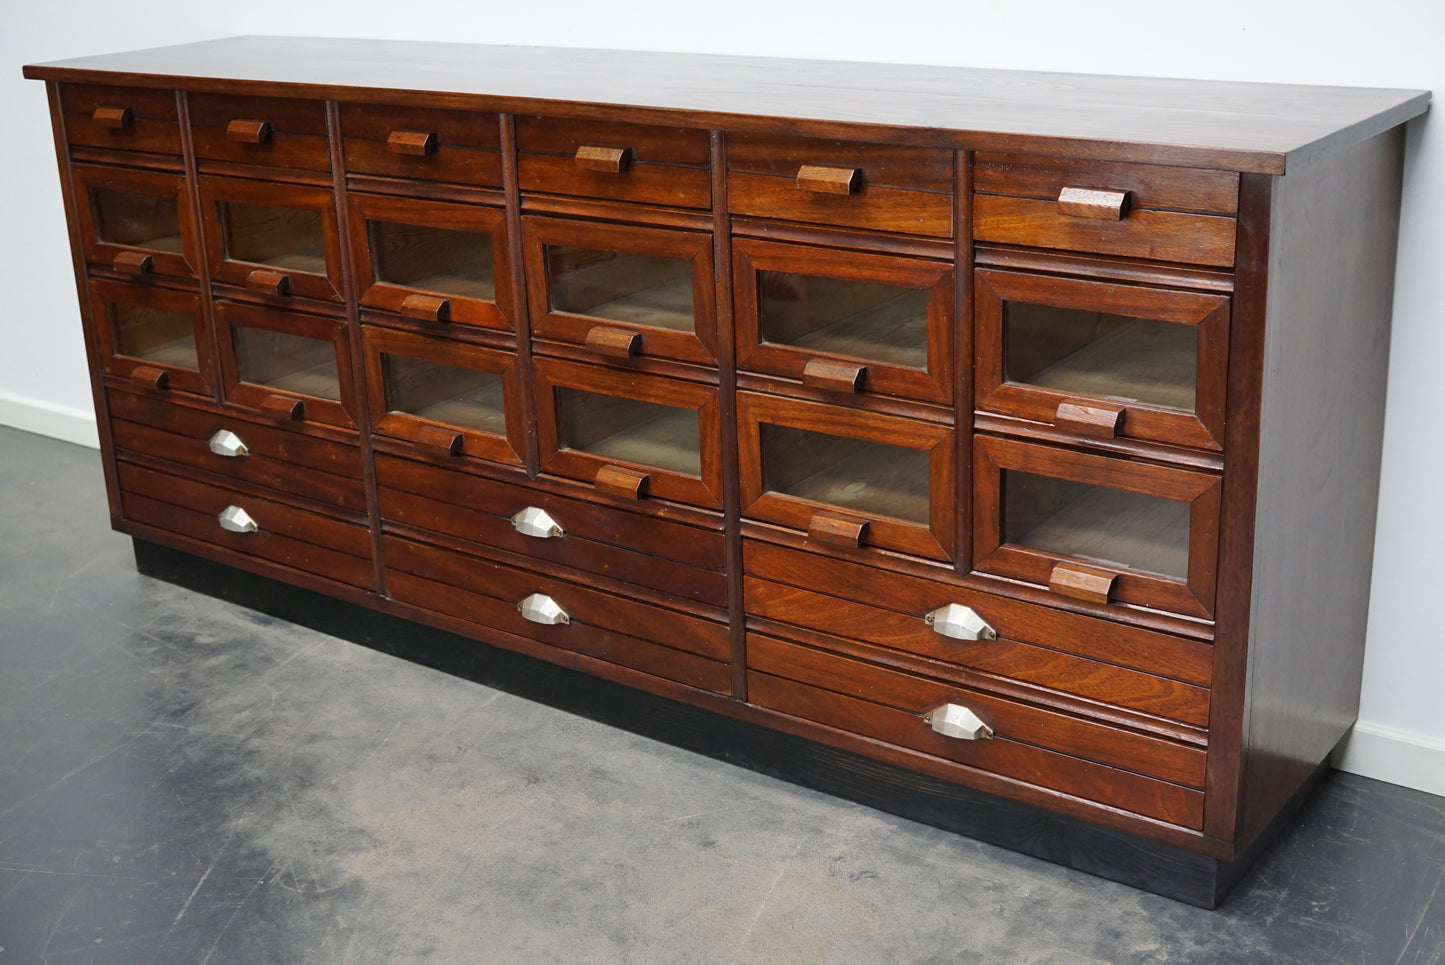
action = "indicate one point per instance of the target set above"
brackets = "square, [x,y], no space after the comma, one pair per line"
[185,781]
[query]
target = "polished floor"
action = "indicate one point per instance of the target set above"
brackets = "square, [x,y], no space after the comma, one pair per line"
[182,780]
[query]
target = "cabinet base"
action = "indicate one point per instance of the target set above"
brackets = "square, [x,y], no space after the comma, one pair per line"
[1149,865]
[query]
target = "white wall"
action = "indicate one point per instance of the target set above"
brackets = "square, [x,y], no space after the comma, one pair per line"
[1384,43]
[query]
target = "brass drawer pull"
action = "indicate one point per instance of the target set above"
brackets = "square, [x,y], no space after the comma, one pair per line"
[537,522]
[1101,419]
[956,720]
[1093,203]
[114,118]
[249,132]
[834,376]
[540,608]
[133,263]
[615,343]
[150,377]
[612,160]
[825,180]
[227,443]
[269,282]
[445,442]
[426,308]
[837,529]
[412,143]
[959,622]
[621,481]
[1080,582]
[234,519]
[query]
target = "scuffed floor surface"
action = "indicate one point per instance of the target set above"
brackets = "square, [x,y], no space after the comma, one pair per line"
[184,781]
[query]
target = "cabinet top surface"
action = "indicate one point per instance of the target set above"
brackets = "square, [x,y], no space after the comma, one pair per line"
[1246,126]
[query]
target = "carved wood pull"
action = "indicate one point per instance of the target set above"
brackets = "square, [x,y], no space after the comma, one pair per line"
[1088,583]
[133,262]
[1101,419]
[614,342]
[836,376]
[1093,203]
[284,406]
[837,529]
[812,177]
[446,442]
[114,118]
[249,132]
[613,160]
[150,377]
[621,481]
[412,143]
[268,281]
[427,308]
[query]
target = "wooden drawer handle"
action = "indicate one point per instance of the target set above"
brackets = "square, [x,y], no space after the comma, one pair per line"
[150,377]
[114,118]
[1101,419]
[621,481]
[835,376]
[133,263]
[1093,203]
[268,281]
[444,442]
[427,308]
[249,132]
[837,529]
[1077,581]
[612,160]
[412,143]
[812,177]
[615,343]
[284,406]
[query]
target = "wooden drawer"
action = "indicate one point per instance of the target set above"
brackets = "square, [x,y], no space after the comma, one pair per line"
[604,625]
[304,539]
[304,466]
[614,161]
[122,119]
[154,337]
[278,132]
[660,554]
[1111,665]
[1142,211]
[881,187]
[1085,758]
[136,223]
[288,365]
[271,240]
[419,143]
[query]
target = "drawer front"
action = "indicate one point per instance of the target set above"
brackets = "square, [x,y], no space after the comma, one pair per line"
[418,143]
[304,466]
[1090,759]
[289,365]
[270,240]
[136,223]
[614,161]
[300,538]
[660,554]
[278,132]
[873,186]
[1160,213]
[599,624]
[155,337]
[121,119]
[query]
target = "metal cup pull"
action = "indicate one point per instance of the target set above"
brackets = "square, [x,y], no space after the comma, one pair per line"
[540,608]
[227,443]
[535,521]
[237,520]
[956,720]
[960,623]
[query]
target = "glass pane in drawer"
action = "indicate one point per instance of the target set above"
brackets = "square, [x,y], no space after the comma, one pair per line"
[153,334]
[1083,352]
[280,237]
[292,363]
[441,260]
[855,474]
[1096,523]
[621,286]
[630,430]
[445,393]
[137,219]
[834,316]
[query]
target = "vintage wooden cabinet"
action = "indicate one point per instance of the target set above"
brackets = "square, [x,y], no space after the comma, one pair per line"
[999,449]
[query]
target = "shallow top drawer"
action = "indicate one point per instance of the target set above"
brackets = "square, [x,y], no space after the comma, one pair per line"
[1138,210]
[463,147]
[881,187]
[616,161]
[121,118]
[275,131]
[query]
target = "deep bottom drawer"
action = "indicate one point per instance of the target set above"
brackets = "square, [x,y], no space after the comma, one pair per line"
[299,538]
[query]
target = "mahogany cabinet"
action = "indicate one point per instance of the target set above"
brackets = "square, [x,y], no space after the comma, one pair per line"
[997,449]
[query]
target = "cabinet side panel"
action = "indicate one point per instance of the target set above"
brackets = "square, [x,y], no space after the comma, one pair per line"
[1334,225]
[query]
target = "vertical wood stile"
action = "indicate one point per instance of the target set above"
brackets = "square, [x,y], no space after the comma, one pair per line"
[522,322]
[963,361]
[201,267]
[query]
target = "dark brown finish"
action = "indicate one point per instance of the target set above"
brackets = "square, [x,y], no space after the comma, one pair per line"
[439,440]
[837,530]
[276,132]
[133,263]
[1144,233]
[412,143]
[814,177]
[634,162]
[152,137]
[110,300]
[113,118]
[150,377]
[249,131]
[269,282]
[621,481]
[468,148]
[612,159]
[834,376]
[318,275]
[335,412]
[152,211]
[1088,583]
[283,406]
[613,342]
[1146,185]
[428,308]
[1093,203]
[1100,419]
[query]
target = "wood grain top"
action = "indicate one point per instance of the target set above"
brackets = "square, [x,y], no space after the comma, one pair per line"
[1240,126]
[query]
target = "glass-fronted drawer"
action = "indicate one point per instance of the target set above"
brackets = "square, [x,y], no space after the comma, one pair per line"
[845,320]
[848,478]
[1101,358]
[272,239]
[1096,528]
[155,337]
[134,222]
[288,365]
